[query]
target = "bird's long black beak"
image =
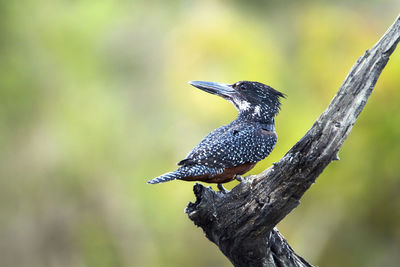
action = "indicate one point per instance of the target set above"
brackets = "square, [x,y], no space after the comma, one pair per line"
[221,89]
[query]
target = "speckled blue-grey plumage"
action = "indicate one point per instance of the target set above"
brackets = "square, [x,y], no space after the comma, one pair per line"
[231,145]
[186,171]
[248,139]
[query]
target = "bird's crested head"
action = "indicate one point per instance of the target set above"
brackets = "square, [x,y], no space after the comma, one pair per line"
[252,99]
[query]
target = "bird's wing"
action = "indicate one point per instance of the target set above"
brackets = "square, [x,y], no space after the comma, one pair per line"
[232,147]
[214,135]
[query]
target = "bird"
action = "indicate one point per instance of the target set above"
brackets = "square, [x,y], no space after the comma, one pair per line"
[233,149]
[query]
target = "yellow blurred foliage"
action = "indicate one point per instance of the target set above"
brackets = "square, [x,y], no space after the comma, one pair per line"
[94,101]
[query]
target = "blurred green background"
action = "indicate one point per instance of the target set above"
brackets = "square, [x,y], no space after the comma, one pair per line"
[94,101]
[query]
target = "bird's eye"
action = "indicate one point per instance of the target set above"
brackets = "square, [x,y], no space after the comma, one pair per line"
[240,86]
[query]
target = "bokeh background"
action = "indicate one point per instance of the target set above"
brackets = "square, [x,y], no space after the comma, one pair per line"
[94,101]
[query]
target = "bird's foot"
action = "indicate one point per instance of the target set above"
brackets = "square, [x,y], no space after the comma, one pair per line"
[239,178]
[222,189]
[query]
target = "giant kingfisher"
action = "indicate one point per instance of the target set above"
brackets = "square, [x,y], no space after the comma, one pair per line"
[232,150]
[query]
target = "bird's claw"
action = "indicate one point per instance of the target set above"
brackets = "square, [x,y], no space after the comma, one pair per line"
[222,189]
[239,178]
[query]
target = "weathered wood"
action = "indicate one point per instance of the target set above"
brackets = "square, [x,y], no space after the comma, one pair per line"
[241,223]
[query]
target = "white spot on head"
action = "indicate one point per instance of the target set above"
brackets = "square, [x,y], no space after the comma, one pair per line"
[243,105]
[257,111]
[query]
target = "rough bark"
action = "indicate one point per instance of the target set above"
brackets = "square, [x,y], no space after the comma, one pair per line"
[242,222]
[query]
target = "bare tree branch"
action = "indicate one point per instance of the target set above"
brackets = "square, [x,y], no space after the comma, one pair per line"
[241,223]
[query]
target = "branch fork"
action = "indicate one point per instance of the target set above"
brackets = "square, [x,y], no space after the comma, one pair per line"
[242,222]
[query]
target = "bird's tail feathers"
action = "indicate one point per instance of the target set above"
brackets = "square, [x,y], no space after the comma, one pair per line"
[186,171]
[165,178]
